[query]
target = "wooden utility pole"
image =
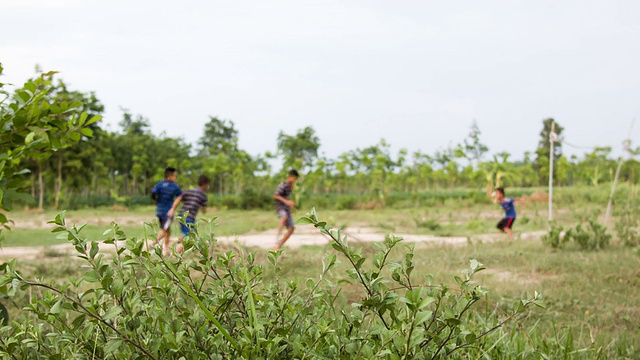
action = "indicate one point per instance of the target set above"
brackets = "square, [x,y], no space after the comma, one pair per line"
[552,138]
[627,144]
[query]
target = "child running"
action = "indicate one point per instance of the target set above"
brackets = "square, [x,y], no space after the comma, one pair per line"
[505,225]
[284,206]
[192,201]
[163,195]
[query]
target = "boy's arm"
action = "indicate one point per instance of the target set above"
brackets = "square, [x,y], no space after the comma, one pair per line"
[204,205]
[154,195]
[174,206]
[284,200]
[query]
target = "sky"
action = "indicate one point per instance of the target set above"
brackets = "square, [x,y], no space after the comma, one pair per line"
[416,73]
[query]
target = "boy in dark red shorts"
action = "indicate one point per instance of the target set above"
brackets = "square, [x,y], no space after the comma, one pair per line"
[505,225]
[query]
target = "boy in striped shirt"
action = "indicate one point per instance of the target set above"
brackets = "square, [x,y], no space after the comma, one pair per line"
[192,201]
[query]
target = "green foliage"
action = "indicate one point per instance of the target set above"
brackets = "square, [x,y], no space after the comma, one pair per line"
[299,150]
[32,128]
[555,237]
[592,236]
[628,225]
[430,224]
[213,303]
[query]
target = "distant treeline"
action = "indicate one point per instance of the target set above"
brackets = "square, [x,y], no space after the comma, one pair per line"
[121,166]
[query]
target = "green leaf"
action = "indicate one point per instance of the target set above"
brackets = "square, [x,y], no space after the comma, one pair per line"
[304,220]
[29,138]
[86,132]
[423,316]
[113,346]
[55,309]
[112,313]
[94,250]
[94,119]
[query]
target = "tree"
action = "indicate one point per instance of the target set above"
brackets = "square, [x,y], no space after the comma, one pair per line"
[219,137]
[472,148]
[543,151]
[301,149]
[72,157]
[497,171]
[32,127]
[133,126]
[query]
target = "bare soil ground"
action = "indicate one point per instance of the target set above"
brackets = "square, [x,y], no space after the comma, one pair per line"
[304,236]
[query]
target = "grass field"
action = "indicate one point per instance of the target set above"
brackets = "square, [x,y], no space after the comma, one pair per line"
[449,219]
[591,297]
[595,293]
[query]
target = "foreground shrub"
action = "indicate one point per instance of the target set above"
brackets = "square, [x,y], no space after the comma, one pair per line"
[137,304]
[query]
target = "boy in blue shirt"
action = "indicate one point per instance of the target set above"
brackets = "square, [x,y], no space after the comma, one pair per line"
[163,195]
[505,225]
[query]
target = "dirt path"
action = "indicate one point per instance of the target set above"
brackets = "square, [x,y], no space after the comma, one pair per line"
[304,236]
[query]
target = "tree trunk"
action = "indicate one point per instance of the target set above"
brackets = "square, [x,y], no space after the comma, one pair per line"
[33,185]
[40,187]
[58,183]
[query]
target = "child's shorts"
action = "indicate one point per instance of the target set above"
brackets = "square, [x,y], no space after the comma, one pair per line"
[282,213]
[186,228]
[506,223]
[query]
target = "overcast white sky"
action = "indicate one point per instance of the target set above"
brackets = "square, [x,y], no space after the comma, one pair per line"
[416,73]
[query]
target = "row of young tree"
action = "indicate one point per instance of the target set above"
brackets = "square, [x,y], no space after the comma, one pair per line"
[129,160]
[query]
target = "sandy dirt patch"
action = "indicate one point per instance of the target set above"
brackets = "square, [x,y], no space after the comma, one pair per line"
[304,236]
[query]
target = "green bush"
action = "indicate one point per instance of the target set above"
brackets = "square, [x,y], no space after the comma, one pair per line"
[555,238]
[210,304]
[593,236]
[430,224]
[252,199]
[346,202]
[628,225]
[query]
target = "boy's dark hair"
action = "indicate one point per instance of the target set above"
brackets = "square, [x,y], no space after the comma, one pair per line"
[169,171]
[500,190]
[203,180]
[293,172]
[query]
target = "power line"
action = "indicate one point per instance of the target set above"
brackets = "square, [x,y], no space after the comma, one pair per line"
[564,142]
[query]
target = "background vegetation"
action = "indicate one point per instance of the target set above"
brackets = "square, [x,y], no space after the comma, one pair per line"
[121,166]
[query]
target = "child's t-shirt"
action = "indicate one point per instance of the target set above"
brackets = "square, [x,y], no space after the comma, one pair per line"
[166,192]
[509,208]
[283,190]
[192,201]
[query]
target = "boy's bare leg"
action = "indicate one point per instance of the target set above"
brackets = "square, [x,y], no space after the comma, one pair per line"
[281,225]
[286,237]
[180,247]
[165,248]
[508,232]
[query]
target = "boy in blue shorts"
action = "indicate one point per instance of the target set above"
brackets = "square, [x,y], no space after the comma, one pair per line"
[192,201]
[505,225]
[284,206]
[163,195]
